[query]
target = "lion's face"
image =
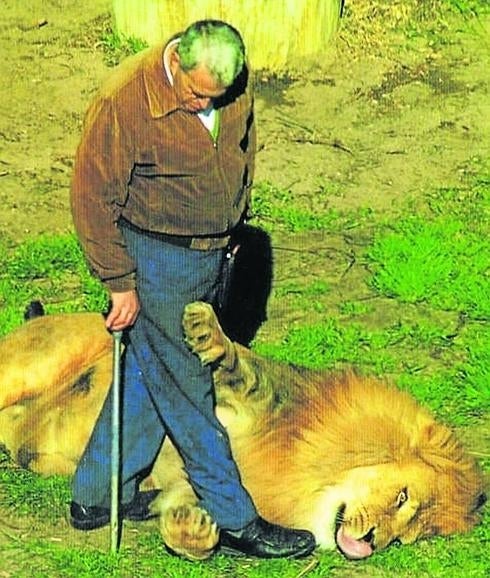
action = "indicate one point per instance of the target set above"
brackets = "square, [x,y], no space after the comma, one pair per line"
[381,504]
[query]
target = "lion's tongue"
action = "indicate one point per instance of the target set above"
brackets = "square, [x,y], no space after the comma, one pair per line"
[352,548]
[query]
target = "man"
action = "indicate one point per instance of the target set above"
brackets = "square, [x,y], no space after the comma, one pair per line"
[162,176]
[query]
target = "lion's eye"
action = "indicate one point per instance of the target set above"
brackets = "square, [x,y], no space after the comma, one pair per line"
[402,498]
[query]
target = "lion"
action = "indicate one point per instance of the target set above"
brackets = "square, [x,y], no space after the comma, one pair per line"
[356,461]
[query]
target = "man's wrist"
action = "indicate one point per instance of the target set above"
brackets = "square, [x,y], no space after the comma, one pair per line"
[121,284]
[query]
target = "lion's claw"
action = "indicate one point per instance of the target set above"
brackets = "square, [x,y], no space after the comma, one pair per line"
[189,531]
[202,332]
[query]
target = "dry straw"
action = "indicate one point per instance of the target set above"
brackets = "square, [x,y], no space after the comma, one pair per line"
[367,25]
[285,35]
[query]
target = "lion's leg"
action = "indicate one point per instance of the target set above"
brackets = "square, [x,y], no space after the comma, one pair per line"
[205,336]
[240,391]
[185,527]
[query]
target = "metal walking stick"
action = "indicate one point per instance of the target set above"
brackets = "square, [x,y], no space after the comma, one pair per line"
[116,437]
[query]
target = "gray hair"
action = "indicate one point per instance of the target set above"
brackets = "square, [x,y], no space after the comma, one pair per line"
[215,45]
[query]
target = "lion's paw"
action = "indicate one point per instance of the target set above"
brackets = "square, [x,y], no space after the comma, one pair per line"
[189,531]
[202,332]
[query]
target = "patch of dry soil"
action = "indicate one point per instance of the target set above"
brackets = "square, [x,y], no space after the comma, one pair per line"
[363,133]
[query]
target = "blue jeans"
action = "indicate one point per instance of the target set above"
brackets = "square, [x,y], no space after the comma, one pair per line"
[166,391]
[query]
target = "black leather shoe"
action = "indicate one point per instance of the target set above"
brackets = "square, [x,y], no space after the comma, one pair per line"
[88,517]
[265,540]
[93,517]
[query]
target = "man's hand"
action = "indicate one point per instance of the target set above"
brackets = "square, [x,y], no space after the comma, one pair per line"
[124,310]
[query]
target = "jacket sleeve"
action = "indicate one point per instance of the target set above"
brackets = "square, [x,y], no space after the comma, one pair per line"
[102,170]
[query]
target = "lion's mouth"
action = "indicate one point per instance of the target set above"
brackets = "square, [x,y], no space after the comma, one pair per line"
[353,548]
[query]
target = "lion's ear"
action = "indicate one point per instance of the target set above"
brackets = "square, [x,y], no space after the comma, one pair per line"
[435,434]
[480,501]
[427,434]
[486,487]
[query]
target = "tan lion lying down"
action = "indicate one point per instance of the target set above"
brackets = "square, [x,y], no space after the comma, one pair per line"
[358,463]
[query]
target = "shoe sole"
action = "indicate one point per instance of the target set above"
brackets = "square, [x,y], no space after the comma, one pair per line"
[87,525]
[229,551]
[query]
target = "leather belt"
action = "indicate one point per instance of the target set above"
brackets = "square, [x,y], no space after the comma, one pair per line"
[198,243]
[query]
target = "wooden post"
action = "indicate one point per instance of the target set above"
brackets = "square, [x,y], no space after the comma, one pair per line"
[279,35]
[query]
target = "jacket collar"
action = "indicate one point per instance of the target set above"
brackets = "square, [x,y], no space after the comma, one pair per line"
[161,96]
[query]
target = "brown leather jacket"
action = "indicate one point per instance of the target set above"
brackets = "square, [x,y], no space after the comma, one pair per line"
[144,159]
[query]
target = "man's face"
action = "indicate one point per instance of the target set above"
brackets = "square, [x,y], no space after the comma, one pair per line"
[195,89]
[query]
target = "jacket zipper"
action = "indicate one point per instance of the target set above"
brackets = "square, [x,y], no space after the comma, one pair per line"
[220,168]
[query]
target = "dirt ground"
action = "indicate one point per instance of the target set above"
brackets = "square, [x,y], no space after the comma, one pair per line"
[370,128]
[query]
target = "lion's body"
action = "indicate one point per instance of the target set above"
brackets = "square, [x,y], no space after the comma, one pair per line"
[357,462]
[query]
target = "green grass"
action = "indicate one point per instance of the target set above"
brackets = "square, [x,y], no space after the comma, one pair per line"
[469,7]
[30,494]
[458,393]
[153,561]
[451,557]
[280,209]
[52,269]
[117,47]
[436,558]
[440,262]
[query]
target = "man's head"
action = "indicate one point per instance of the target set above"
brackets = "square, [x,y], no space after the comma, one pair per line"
[207,60]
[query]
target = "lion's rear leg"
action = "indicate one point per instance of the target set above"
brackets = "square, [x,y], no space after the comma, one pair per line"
[186,529]
[205,336]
